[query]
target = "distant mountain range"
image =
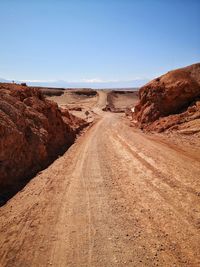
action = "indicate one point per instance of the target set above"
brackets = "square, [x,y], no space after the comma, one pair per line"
[4,80]
[96,85]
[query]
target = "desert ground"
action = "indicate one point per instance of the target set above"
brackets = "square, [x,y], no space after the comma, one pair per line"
[117,197]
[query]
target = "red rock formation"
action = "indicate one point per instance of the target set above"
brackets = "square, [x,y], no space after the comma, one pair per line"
[76,123]
[186,122]
[32,133]
[169,94]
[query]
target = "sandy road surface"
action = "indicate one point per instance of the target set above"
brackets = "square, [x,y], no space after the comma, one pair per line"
[116,198]
[102,100]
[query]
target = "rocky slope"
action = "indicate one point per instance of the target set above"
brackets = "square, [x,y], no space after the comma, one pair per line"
[170,100]
[120,100]
[33,132]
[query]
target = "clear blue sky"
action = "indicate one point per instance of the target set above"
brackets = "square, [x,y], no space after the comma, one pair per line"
[78,40]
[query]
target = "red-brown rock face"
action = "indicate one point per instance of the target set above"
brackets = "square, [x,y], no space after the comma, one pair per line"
[32,133]
[169,94]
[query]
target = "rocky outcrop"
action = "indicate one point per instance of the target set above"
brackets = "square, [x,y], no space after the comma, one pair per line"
[76,123]
[187,122]
[32,133]
[171,94]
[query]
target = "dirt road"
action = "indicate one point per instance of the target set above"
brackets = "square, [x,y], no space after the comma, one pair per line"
[116,198]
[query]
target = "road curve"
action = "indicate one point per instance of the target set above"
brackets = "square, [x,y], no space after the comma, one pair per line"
[117,197]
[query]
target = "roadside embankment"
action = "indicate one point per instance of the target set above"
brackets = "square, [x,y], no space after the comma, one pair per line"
[171,101]
[33,133]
